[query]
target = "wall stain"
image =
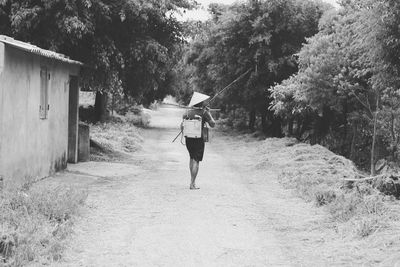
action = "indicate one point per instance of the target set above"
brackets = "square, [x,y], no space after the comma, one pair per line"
[59,164]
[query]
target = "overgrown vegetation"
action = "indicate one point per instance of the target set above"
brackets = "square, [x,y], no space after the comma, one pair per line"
[346,91]
[318,175]
[35,222]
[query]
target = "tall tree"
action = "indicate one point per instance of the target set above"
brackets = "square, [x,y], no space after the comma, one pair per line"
[257,35]
[126,44]
[349,69]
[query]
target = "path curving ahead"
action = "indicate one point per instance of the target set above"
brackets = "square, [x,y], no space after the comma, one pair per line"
[142,213]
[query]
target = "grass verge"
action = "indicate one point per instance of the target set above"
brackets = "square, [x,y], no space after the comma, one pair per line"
[317,175]
[35,223]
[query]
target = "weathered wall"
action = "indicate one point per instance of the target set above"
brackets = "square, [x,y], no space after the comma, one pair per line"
[1,110]
[31,147]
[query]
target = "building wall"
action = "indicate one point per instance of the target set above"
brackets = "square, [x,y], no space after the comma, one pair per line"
[1,110]
[30,147]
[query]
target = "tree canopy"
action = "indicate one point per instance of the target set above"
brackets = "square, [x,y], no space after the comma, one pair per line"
[349,75]
[259,35]
[126,44]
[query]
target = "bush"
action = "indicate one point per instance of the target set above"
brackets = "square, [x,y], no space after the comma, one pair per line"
[236,118]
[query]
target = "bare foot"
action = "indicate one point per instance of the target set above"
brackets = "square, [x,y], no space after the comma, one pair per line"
[194,187]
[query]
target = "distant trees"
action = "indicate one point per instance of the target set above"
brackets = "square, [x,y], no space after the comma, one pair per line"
[128,45]
[331,76]
[347,87]
[258,35]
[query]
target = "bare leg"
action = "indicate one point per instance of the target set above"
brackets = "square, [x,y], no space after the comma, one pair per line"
[194,169]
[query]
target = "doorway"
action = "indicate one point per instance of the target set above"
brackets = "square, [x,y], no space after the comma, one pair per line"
[73,119]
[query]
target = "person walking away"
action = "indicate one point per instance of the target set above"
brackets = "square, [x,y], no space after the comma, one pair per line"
[195,145]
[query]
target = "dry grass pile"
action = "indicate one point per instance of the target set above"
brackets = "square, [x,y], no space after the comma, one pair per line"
[141,119]
[35,223]
[136,115]
[116,140]
[318,175]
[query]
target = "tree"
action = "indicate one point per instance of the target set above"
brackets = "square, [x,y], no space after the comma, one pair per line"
[126,44]
[348,69]
[257,35]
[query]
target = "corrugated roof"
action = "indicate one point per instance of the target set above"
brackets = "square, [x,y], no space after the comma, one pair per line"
[37,50]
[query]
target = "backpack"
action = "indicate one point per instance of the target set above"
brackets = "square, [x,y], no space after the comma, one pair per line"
[195,128]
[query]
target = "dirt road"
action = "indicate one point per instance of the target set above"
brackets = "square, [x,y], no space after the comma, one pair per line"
[142,213]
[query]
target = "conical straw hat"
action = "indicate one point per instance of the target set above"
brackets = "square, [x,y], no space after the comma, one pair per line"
[197,98]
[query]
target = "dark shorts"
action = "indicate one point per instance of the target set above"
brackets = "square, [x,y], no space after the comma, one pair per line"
[195,146]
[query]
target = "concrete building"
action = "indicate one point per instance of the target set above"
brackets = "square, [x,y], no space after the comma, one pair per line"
[38,111]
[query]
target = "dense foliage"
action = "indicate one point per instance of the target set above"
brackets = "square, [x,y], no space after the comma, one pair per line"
[330,76]
[259,35]
[127,45]
[346,91]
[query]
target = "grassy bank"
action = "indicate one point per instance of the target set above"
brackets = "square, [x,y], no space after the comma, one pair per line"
[318,175]
[35,222]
